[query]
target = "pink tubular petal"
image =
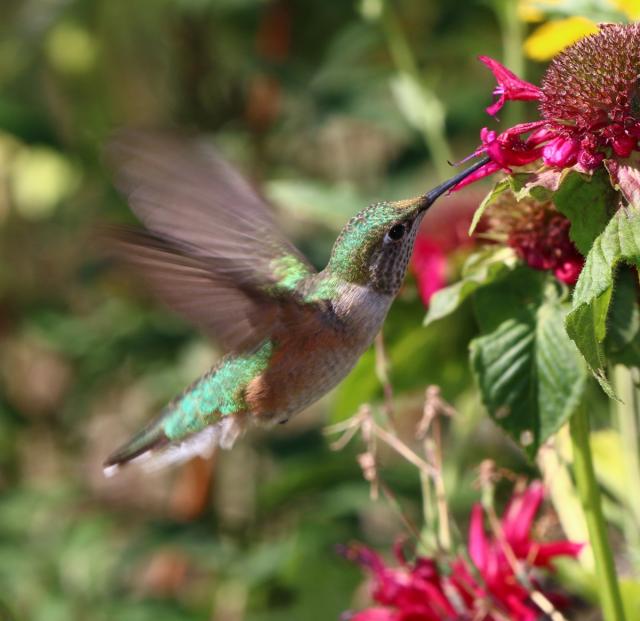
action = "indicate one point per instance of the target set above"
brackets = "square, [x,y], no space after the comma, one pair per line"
[510,87]
[519,514]
[505,150]
[488,169]
[365,557]
[561,152]
[546,552]
[478,543]
[524,128]
[540,136]
[374,614]
[519,610]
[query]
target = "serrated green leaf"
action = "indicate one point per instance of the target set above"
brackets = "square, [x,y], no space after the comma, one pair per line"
[588,203]
[481,268]
[531,376]
[488,200]
[586,323]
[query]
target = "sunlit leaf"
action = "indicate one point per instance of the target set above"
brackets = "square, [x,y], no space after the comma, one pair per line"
[588,203]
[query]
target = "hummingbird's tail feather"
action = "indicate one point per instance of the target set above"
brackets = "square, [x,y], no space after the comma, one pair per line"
[151,438]
[153,450]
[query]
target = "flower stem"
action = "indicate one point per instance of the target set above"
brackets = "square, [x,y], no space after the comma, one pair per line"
[589,493]
[431,125]
[628,416]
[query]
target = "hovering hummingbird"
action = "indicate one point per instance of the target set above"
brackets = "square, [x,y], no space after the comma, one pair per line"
[212,251]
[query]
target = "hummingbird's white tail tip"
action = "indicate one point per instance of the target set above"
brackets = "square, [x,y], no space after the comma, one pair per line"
[110,471]
[223,434]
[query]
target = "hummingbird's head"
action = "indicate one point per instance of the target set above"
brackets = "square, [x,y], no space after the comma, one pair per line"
[375,246]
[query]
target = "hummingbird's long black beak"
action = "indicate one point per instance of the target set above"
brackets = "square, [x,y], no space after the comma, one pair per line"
[430,197]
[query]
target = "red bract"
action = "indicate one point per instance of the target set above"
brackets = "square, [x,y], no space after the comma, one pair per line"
[489,591]
[589,103]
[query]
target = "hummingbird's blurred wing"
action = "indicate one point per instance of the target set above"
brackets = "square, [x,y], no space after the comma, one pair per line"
[212,249]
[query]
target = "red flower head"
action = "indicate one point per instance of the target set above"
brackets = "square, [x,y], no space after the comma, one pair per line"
[419,591]
[589,103]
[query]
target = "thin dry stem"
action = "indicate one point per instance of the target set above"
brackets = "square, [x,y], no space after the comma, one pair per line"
[434,407]
[382,372]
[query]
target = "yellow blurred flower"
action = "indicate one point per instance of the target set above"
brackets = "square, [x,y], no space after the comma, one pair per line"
[39,179]
[631,8]
[552,37]
[534,10]
[70,48]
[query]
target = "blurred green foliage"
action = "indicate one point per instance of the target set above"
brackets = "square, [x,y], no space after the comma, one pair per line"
[308,98]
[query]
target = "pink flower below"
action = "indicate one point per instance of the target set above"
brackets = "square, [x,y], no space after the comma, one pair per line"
[419,591]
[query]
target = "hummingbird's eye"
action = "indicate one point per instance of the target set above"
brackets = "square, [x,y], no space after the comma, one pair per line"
[395,233]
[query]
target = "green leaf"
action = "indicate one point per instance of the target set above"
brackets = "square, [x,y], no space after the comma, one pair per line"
[587,202]
[488,200]
[586,323]
[481,268]
[531,376]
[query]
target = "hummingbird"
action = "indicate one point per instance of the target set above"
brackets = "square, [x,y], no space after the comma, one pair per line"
[210,248]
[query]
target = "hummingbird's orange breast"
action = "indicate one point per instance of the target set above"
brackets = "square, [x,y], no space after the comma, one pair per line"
[312,358]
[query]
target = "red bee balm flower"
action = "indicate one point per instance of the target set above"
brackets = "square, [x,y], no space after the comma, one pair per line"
[491,591]
[589,102]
